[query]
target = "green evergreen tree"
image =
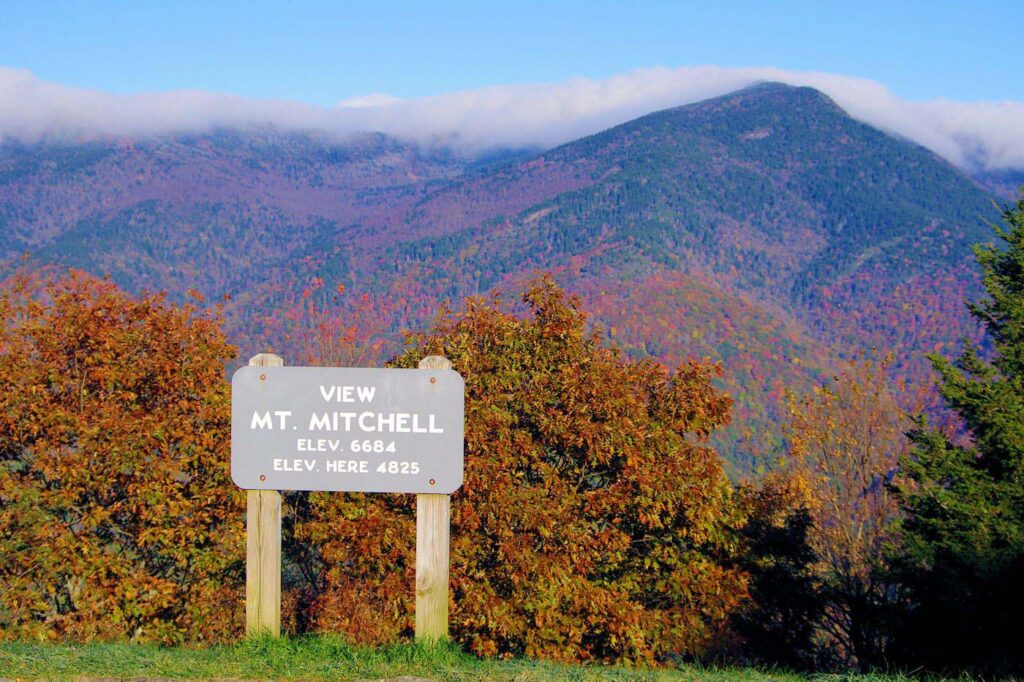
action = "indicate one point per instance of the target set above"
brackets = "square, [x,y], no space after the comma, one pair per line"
[962,557]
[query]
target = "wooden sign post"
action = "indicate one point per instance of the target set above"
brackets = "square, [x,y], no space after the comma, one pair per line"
[347,429]
[433,524]
[263,547]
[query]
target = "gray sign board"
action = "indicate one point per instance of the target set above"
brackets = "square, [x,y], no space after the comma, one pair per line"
[347,429]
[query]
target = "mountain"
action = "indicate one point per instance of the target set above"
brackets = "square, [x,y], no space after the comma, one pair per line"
[765,228]
[1005,183]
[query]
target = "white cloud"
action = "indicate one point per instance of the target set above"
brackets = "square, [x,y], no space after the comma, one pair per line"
[988,135]
[372,99]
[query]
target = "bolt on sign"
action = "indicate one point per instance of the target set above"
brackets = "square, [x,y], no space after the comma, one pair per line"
[347,429]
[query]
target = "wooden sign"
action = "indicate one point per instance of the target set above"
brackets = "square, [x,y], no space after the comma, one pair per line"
[347,429]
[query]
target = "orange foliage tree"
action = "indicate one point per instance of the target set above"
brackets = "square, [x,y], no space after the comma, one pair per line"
[846,439]
[118,519]
[594,521]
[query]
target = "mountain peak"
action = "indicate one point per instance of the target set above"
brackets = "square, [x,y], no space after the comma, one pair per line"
[759,111]
[774,95]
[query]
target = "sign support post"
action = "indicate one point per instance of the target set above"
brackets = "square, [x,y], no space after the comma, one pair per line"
[433,525]
[263,547]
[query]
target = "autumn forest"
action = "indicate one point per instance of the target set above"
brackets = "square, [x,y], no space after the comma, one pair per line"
[743,386]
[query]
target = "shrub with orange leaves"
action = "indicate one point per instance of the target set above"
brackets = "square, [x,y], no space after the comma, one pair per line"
[594,521]
[118,519]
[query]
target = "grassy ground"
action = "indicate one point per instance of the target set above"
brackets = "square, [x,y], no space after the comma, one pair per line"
[325,658]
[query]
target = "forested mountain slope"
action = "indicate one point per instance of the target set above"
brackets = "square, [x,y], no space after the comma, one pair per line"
[765,228]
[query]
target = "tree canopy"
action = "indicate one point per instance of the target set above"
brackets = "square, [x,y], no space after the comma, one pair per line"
[593,523]
[963,536]
[118,519]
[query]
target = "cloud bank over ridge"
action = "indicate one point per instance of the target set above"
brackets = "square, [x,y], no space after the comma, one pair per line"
[974,135]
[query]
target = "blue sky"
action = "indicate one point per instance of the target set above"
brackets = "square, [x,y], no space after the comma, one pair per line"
[323,52]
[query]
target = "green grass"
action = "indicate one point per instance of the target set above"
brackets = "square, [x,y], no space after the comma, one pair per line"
[327,658]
